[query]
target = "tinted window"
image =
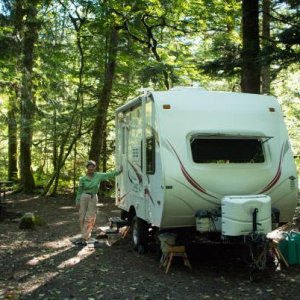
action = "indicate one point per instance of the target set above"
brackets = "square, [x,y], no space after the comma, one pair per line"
[227,150]
[150,155]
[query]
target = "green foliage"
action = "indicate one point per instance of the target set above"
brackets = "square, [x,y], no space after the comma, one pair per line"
[175,42]
[287,90]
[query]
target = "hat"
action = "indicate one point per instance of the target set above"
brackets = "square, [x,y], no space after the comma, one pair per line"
[90,163]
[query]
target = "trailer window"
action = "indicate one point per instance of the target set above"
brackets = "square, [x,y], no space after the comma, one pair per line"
[150,155]
[227,150]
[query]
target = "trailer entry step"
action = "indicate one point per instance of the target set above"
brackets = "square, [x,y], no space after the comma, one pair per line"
[117,222]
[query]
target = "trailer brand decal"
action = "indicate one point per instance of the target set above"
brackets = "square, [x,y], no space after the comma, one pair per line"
[278,173]
[138,175]
[188,177]
[140,178]
[147,192]
[122,198]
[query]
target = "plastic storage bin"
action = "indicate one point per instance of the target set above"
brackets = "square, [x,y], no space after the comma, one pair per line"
[290,247]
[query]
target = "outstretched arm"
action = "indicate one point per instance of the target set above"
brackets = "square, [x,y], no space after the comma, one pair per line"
[109,175]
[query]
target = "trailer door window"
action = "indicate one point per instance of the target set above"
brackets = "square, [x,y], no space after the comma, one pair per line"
[227,150]
[150,155]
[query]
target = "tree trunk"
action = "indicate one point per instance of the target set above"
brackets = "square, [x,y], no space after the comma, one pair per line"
[17,16]
[265,71]
[74,169]
[27,98]
[105,96]
[250,81]
[54,141]
[12,140]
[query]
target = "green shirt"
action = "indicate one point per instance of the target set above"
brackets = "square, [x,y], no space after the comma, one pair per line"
[91,184]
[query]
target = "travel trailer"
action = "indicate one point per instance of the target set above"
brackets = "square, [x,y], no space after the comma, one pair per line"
[196,159]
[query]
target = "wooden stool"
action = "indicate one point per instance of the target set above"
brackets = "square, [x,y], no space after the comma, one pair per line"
[171,252]
[274,248]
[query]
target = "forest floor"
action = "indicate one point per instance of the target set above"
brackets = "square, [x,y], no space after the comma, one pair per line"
[44,263]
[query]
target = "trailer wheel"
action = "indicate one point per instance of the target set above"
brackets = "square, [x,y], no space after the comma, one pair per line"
[139,234]
[124,214]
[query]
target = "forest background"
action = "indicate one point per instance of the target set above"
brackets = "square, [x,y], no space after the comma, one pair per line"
[66,65]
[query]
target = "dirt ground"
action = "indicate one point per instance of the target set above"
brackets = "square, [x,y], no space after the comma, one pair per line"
[45,264]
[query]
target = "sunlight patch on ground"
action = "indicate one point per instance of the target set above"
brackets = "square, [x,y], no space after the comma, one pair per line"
[66,207]
[35,281]
[59,244]
[38,280]
[60,223]
[28,199]
[18,241]
[81,255]
[37,259]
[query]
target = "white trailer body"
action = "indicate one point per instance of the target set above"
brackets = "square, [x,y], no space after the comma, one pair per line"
[185,149]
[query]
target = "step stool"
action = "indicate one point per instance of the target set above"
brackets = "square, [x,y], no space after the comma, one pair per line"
[274,248]
[171,252]
[118,222]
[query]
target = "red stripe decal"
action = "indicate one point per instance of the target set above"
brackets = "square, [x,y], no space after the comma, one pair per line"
[138,175]
[188,177]
[277,175]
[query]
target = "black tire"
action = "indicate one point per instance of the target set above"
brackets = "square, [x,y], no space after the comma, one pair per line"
[139,234]
[124,215]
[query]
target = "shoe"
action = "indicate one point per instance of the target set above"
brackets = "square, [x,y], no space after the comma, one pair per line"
[81,243]
[92,241]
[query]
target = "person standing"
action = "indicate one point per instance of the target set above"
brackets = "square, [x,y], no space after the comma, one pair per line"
[87,198]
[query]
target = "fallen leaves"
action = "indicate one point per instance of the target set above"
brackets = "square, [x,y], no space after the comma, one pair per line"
[44,264]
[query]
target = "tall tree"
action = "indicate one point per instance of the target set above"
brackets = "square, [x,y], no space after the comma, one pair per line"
[12,136]
[10,51]
[17,13]
[250,77]
[105,95]
[265,69]
[27,94]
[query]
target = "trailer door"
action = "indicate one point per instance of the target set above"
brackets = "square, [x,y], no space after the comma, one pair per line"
[121,159]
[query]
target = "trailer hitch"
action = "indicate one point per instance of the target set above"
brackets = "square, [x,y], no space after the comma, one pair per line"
[257,243]
[254,220]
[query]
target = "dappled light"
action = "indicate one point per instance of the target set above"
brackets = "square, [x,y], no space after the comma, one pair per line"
[29,199]
[126,122]
[36,280]
[59,244]
[82,254]
[45,264]
[60,223]
[67,208]
[38,259]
